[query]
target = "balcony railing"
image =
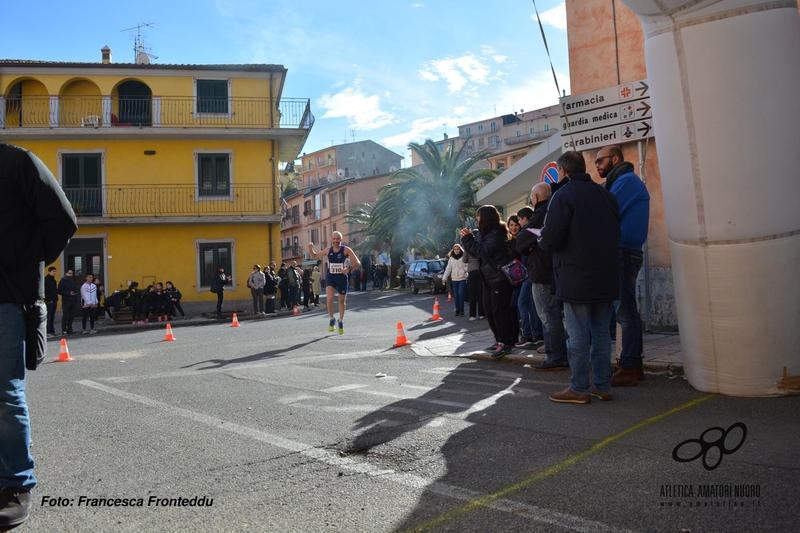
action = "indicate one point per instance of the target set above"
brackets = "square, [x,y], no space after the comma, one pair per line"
[172,200]
[530,136]
[159,111]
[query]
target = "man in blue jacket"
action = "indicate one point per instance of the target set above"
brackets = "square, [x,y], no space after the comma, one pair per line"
[582,230]
[634,209]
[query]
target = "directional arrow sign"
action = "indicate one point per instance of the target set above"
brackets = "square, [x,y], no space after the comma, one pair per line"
[623,133]
[611,115]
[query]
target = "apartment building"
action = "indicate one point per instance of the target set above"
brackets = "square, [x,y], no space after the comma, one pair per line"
[171,169]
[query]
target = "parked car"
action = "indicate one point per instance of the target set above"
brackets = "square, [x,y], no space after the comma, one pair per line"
[426,274]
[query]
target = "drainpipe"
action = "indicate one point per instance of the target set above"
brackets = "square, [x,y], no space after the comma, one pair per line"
[723,77]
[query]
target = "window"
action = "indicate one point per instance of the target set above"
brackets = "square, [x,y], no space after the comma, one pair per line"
[324,201]
[501,166]
[81,179]
[519,133]
[480,127]
[213,255]
[213,174]
[493,126]
[212,97]
[342,201]
[533,130]
[547,127]
[468,131]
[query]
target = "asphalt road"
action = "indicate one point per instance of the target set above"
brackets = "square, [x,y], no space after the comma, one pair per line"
[281,426]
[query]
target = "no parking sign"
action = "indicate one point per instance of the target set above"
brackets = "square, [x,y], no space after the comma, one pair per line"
[550,173]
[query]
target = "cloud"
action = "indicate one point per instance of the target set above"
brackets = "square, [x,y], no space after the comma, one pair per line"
[457,72]
[364,112]
[416,5]
[555,17]
[421,129]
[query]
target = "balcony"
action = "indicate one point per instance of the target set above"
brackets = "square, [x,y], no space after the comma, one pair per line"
[173,204]
[46,117]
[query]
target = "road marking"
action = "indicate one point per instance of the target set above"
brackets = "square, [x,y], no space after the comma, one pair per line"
[489,499]
[342,388]
[531,512]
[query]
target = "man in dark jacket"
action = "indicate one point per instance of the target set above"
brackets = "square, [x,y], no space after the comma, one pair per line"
[51,299]
[36,223]
[69,301]
[540,272]
[582,230]
[634,210]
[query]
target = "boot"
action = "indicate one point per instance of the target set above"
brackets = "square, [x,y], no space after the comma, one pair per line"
[625,377]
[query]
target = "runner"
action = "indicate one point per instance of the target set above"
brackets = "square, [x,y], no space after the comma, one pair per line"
[336,275]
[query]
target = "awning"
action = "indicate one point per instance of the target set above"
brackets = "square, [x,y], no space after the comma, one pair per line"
[516,182]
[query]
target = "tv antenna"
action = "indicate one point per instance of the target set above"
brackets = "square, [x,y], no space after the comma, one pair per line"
[141,55]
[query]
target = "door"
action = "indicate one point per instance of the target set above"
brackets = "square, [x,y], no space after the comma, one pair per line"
[85,256]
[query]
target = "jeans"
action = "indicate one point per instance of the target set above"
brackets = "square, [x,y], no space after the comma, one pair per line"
[16,463]
[531,323]
[459,294]
[588,326]
[555,339]
[258,300]
[630,261]
[51,317]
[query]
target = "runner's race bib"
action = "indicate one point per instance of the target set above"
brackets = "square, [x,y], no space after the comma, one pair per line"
[335,268]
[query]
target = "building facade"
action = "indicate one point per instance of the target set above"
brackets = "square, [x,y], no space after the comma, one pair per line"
[171,169]
[331,182]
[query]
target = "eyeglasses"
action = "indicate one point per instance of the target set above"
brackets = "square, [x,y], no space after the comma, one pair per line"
[600,159]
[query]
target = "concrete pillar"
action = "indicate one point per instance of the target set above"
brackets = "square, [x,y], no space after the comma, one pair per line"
[723,77]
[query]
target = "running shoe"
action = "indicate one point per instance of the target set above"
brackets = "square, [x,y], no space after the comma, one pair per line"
[331,324]
[341,328]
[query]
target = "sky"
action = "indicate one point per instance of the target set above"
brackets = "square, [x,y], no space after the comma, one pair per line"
[390,71]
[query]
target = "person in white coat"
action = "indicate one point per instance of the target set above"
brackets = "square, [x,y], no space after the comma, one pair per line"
[457,270]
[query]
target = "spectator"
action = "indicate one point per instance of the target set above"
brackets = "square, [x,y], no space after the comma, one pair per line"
[89,302]
[582,231]
[271,281]
[283,286]
[256,283]
[293,276]
[307,284]
[51,300]
[457,270]
[173,300]
[490,246]
[218,287]
[474,287]
[69,301]
[316,275]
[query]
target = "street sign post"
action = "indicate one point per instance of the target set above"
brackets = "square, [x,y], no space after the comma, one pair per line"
[613,115]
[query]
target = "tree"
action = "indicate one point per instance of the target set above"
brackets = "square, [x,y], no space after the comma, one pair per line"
[431,203]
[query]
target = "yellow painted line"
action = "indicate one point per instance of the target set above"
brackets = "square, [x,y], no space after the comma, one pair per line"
[485,500]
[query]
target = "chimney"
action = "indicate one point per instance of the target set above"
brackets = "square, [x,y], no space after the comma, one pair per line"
[106,51]
[445,136]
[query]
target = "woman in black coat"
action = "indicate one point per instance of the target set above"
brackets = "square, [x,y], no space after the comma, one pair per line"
[490,246]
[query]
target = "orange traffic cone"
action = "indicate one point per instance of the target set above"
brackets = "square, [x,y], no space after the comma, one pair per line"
[170,336]
[63,354]
[449,296]
[296,311]
[401,336]
[235,323]
[436,310]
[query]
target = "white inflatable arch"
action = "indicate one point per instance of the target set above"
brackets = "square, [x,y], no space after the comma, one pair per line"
[725,90]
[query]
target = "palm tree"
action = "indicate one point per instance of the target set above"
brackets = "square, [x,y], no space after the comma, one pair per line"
[438,198]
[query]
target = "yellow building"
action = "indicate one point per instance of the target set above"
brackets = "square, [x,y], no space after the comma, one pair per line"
[171,169]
